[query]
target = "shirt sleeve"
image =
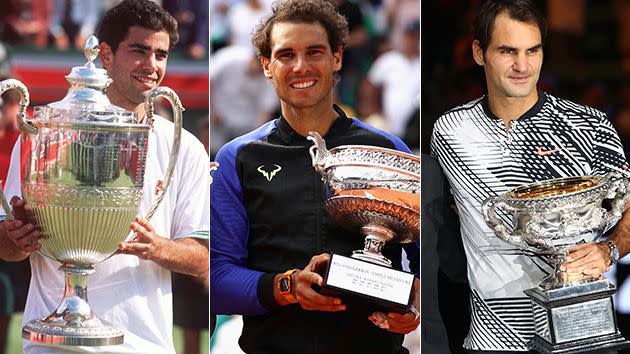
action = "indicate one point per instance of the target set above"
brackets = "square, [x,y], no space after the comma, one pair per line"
[192,212]
[232,285]
[608,154]
[12,184]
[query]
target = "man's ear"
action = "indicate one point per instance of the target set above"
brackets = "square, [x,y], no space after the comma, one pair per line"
[338,56]
[264,62]
[477,53]
[107,55]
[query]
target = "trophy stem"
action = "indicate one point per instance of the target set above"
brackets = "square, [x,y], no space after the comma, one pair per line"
[375,239]
[73,322]
[560,279]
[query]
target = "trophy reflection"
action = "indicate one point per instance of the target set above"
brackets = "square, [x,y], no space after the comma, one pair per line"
[571,313]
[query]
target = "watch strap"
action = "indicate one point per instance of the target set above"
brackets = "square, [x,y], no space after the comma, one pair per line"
[614,252]
[287,292]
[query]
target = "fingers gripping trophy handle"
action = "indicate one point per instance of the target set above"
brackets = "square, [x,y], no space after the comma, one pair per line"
[24,101]
[318,151]
[213,167]
[176,105]
[621,187]
[488,208]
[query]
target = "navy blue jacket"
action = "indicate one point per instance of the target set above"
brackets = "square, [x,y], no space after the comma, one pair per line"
[267,216]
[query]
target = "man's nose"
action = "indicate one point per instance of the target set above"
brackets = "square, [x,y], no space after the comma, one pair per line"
[520,62]
[150,62]
[301,63]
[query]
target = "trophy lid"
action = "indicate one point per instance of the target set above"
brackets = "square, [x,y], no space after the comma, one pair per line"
[86,101]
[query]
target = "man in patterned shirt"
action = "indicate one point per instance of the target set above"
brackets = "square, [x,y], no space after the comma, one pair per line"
[514,135]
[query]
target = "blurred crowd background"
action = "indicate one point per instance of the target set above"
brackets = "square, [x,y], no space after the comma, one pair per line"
[380,77]
[66,24]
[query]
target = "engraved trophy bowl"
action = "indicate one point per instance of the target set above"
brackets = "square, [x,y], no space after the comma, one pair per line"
[82,176]
[551,216]
[372,188]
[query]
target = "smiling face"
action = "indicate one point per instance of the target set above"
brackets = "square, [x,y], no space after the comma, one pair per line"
[513,59]
[301,65]
[137,66]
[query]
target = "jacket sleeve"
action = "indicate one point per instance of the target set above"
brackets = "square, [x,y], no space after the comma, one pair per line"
[233,287]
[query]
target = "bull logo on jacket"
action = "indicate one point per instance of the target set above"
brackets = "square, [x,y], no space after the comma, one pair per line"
[269,175]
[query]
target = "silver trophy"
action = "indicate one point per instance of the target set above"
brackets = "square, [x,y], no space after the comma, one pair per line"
[573,313]
[83,163]
[376,190]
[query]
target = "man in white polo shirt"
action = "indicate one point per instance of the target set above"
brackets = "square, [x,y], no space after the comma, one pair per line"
[132,290]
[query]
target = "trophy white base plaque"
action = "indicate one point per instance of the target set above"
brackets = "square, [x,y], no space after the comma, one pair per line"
[575,323]
[365,286]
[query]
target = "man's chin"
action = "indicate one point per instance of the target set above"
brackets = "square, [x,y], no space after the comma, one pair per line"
[521,92]
[142,96]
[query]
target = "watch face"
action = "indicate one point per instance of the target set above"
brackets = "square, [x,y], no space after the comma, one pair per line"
[284,284]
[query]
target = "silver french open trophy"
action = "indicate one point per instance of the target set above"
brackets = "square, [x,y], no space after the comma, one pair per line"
[83,163]
[572,313]
[376,190]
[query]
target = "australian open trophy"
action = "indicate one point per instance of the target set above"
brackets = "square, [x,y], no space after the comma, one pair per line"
[376,190]
[83,163]
[571,313]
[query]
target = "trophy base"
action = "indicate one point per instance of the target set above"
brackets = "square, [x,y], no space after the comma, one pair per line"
[100,333]
[73,322]
[612,342]
[578,319]
[367,287]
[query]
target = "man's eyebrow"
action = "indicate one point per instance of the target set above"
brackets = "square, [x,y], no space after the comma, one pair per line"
[282,51]
[146,47]
[507,47]
[289,50]
[139,46]
[317,46]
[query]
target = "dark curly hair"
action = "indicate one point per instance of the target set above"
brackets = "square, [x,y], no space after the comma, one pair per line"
[144,13]
[303,11]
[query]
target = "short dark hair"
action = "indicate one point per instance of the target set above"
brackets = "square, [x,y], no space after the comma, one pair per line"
[519,10]
[303,11]
[144,13]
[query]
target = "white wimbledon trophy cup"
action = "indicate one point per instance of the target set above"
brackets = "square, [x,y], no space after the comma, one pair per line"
[83,163]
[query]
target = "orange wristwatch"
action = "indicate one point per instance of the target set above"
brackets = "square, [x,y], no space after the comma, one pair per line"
[285,286]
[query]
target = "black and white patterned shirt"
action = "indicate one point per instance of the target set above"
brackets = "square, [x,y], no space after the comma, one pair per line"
[556,138]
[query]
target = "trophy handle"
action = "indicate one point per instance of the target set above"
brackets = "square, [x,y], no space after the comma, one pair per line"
[318,151]
[621,187]
[24,101]
[5,205]
[176,105]
[488,208]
